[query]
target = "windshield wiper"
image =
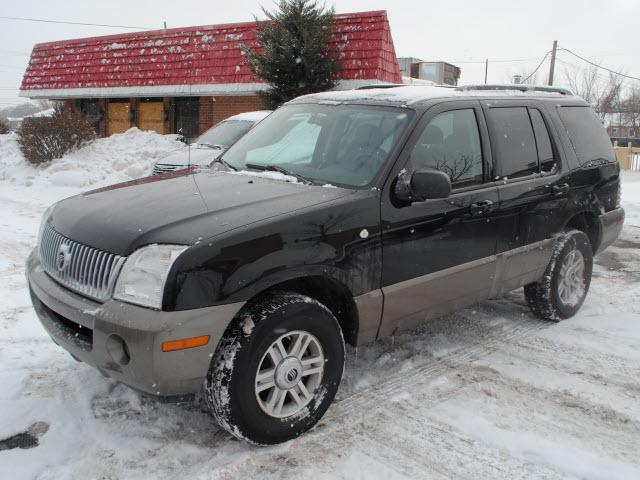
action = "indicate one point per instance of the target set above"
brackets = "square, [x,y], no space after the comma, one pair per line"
[279,169]
[215,146]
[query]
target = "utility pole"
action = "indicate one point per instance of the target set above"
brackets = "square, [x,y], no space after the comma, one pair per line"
[165,25]
[552,66]
[486,69]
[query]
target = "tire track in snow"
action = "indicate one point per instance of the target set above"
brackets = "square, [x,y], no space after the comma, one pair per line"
[364,403]
[369,397]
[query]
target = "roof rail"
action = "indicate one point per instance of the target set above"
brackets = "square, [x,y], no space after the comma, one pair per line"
[518,86]
[380,85]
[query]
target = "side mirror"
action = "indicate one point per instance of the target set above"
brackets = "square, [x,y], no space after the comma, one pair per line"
[423,184]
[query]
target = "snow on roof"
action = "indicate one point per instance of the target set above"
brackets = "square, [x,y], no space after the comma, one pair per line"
[250,116]
[406,94]
[44,113]
[194,60]
[417,81]
[410,94]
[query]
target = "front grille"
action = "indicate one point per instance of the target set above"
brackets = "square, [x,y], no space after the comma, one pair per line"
[160,168]
[86,270]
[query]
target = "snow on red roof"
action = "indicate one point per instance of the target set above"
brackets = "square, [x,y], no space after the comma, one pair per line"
[194,60]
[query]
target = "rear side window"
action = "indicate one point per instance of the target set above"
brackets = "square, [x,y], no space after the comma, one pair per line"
[513,142]
[543,141]
[587,134]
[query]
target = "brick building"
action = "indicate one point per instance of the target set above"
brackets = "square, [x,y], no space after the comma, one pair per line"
[187,79]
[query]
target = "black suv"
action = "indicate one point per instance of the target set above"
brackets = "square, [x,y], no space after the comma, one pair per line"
[343,216]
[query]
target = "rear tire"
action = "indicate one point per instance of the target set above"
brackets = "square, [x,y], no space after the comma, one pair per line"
[276,370]
[564,286]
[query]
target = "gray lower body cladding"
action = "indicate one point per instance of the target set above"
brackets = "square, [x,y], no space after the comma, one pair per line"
[124,341]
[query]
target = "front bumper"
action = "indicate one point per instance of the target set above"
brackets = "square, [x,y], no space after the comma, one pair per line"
[611,224]
[124,341]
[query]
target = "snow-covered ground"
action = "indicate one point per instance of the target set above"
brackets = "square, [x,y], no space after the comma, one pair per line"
[490,392]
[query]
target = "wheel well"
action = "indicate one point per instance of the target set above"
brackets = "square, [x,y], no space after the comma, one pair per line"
[332,294]
[587,223]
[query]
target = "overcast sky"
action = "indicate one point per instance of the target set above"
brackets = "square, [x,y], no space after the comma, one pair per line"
[513,35]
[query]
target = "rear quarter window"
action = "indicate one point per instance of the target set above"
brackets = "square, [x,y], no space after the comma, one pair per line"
[587,134]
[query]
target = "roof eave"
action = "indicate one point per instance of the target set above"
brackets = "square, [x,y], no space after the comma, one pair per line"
[222,89]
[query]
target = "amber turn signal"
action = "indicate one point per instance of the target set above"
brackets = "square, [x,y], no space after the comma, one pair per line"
[185,343]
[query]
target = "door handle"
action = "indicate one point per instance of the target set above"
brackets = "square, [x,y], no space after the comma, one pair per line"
[560,190]
[481,207]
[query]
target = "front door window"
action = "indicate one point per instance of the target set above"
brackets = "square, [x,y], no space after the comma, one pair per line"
[451,143]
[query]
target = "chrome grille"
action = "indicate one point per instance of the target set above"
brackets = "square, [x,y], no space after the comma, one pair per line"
[86,270]
[160,168]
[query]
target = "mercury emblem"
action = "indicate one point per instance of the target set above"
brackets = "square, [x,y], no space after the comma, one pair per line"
[62,257]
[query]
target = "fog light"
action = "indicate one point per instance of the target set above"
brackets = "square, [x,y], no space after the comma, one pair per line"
[118,350]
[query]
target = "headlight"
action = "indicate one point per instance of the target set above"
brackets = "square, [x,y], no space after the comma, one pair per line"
[142,278]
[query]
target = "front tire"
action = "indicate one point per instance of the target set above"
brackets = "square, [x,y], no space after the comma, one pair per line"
[563,288]
[277,369]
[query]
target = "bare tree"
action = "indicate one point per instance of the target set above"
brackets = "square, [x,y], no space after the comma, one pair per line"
[603,94]
[44,138]
[630,107]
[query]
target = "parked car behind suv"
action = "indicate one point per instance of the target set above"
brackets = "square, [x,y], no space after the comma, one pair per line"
[342,217]
[211,144]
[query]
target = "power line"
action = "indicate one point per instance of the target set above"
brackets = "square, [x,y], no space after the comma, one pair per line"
[599,66]
[23,19]
[513,60]
[599,74]
[538,67]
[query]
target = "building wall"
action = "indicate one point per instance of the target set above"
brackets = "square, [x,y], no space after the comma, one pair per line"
[225,107]
[615,131]
[211,110]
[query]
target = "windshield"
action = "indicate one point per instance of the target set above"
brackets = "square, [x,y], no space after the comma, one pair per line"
[338,144]
[225,133]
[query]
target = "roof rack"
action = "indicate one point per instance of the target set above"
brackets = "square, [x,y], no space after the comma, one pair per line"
[518,86]
[380,85]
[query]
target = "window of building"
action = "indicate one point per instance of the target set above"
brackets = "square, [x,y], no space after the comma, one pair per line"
[451,143]
[614,130]
[632,132]
[186,114]
[91,110]
[513,142]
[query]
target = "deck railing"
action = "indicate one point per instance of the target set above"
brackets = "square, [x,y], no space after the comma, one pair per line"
[629,157]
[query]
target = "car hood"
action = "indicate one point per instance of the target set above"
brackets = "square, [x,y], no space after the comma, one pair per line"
[181,208]
[199,156]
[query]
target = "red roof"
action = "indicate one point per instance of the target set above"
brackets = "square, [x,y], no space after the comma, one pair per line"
[205,59]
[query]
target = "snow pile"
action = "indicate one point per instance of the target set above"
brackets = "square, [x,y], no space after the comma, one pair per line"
[105,161]
[10,155]
[631,197]
[44,113]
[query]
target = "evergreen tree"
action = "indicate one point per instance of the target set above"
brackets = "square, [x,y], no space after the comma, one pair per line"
[293,57]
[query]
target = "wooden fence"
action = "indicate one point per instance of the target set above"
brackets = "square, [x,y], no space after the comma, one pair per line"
[629,157]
